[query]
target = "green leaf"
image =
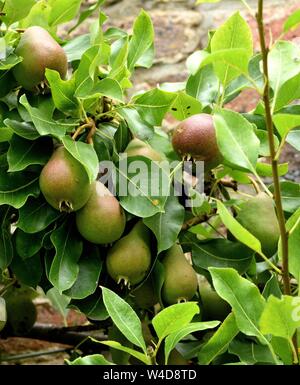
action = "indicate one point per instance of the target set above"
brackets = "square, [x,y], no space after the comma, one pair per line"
[174,318]
[219,253]
[92,306]
[59,301]
[27,271]
[141,40]
[219,342]
[68,248]
[6,247]
[85,154]
[236,139]
[63,11]
[44,124]
[167,225]
[16,10]
[288,92]
[173,339]
[23,153]
[62,91]
[265,169]
[116,345]
[75,48]
[24,129]
[293,227]
[139,127]
[36,215]
[283,65]
[292,22]
[94,359]
[250,352]
[207,1]
[235,33]
[143,186]
[272,287]
[153,105]
[203,85]
[290,196]
[237,230]
[109,88]
[90,266]
[38,15]
[124,317]
[286,122]
[11,61]
[184,106]
[281,317]
[27,244]
[87,13]
[16,187]
[243,296]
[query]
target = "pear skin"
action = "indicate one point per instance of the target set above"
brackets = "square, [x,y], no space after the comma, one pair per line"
[102,220]
[64,182]
[258,216]
[39,51]
[129,259]
[145,296]
[180,278]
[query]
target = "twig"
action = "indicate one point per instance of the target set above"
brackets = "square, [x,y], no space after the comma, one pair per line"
[275,172]
[193,222]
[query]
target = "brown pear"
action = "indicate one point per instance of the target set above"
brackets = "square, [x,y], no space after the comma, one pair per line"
[196,137]
[39,51]
[102,220]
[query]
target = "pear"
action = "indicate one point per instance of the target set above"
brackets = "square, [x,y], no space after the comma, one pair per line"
[64,182]
[145,295]
[39,51]
[213,306]
[129,259]
[180,278]
[258,216]
[138,147]
[21,314]
[196,137]
[102,220]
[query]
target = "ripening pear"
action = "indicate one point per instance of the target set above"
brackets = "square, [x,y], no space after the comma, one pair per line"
[145,296]
[180,278]
[64,182]
[39,51]
[138,147]
[102,220]
[258,216]
[129,259]
[196,137]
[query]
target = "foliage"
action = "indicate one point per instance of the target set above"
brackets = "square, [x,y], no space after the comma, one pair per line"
[92,115]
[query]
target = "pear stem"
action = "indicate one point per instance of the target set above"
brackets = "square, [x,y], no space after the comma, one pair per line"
[92,130]
[276,181]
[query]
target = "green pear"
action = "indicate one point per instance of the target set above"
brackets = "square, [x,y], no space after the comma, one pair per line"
[258,216]
[180,278]
[213,306]
[21,314]
[129,259]
[64,182]
[39,51]
[102,220]
[138,147]
[145,295]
